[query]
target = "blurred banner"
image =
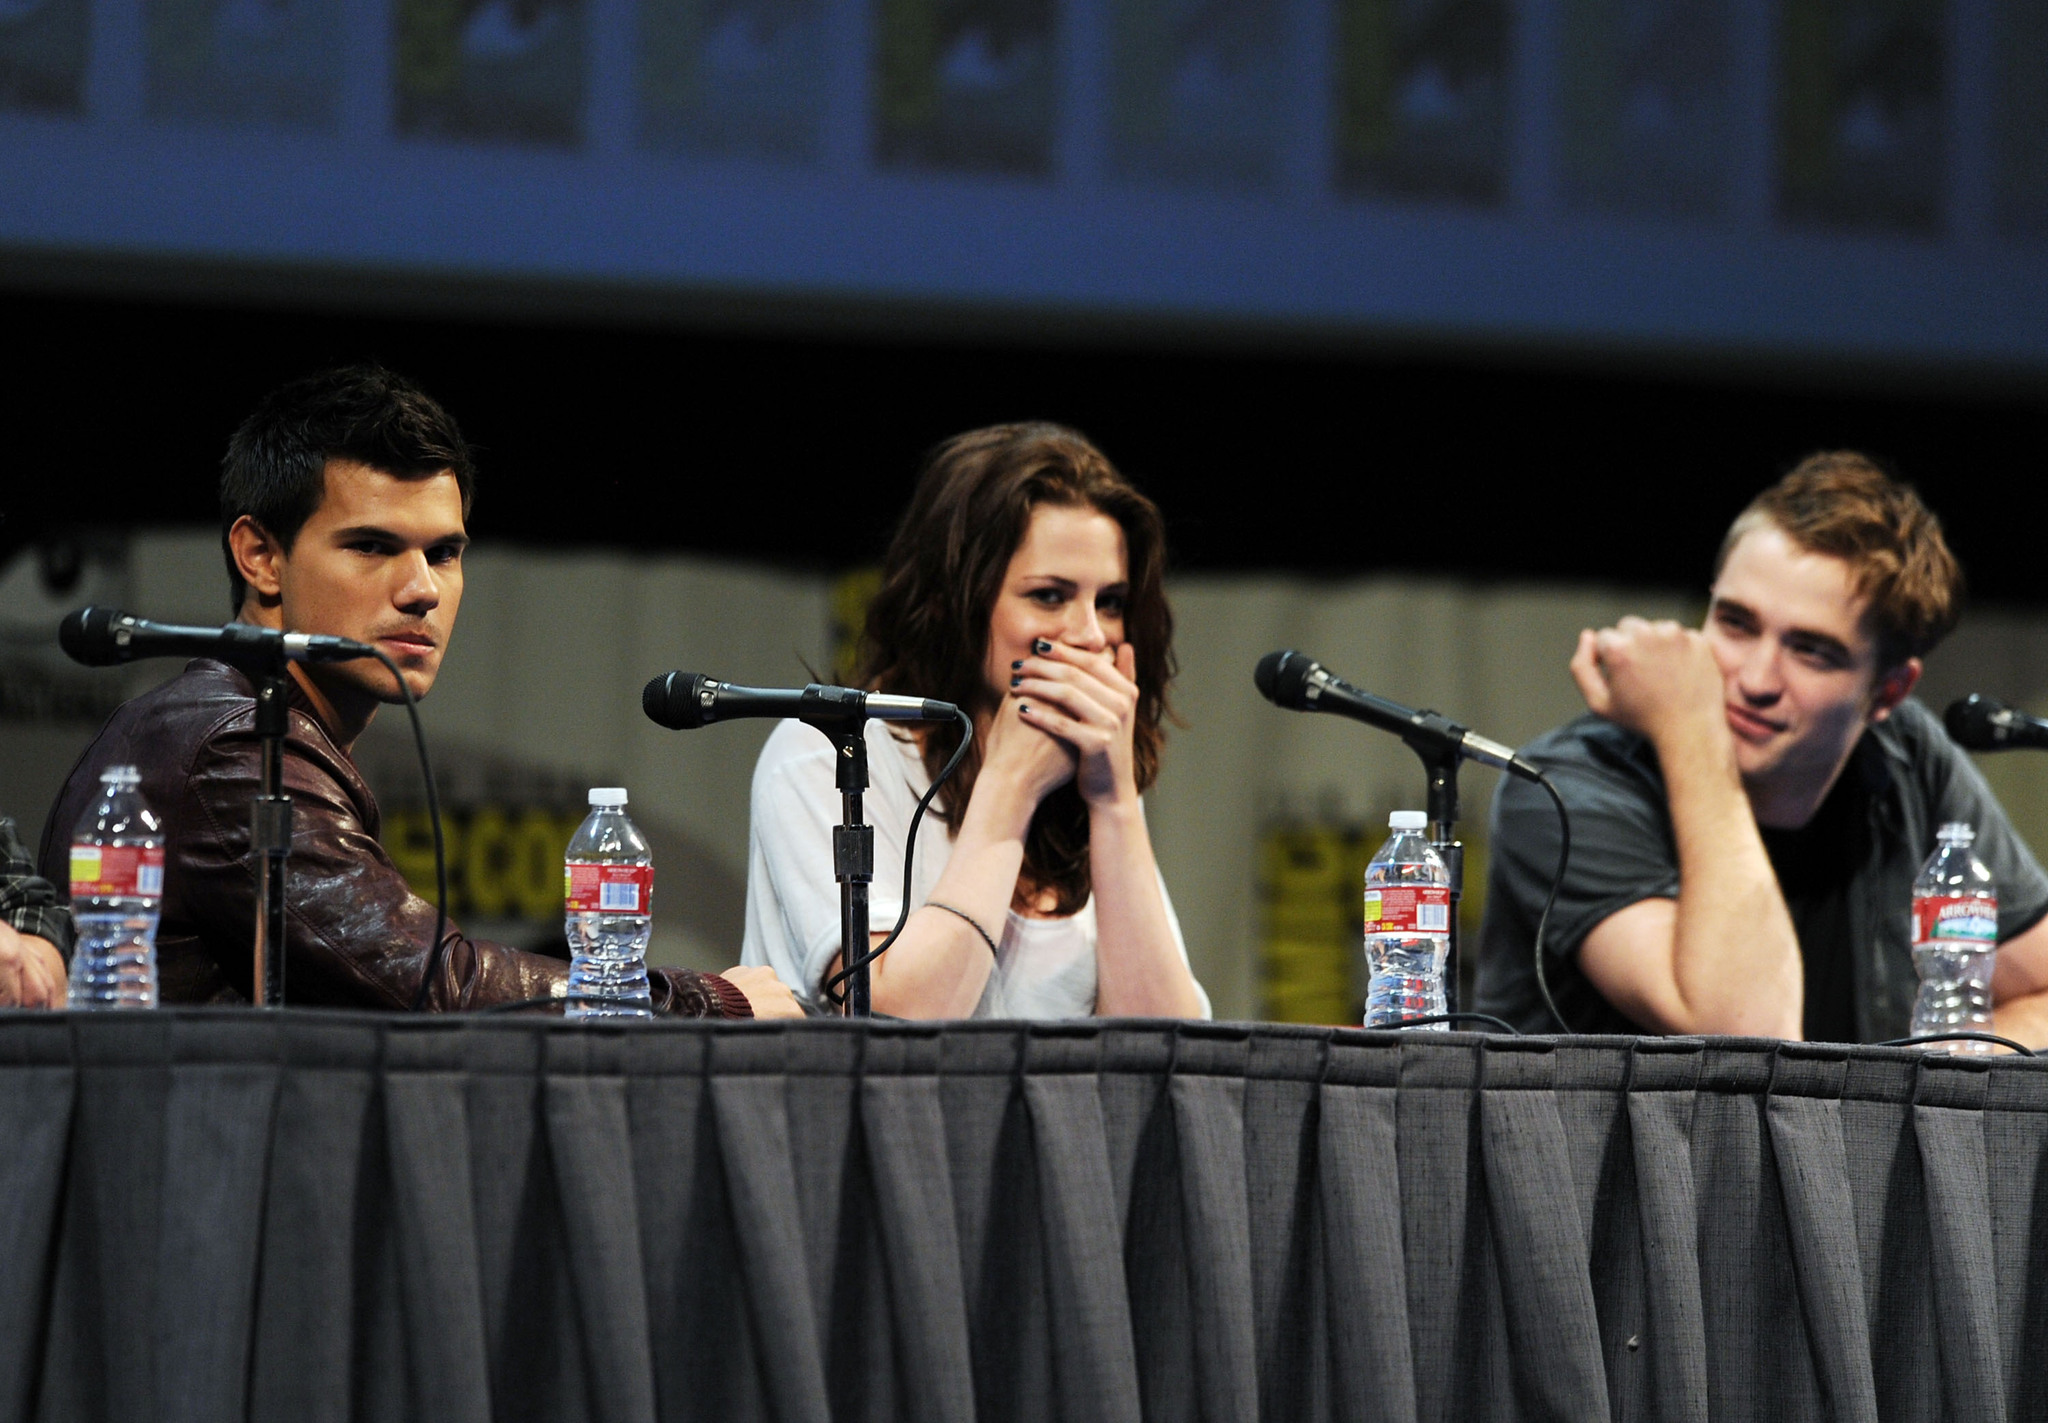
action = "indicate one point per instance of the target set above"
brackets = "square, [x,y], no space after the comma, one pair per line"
[501,70]
[1311,955]
[1802,178]
[1647,118]
[1864,128]
[1424,98]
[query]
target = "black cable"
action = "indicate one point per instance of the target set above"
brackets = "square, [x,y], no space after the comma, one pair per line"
[1564,856]
[838,999]
[2022,1049]
[1502,1024]
[419,741]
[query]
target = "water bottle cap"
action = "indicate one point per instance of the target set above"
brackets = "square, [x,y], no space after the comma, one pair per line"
[1956,832]
[120,776]
[1408,820]
[610,797]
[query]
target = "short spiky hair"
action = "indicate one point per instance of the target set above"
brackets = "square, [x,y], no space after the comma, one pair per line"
[276,466]
[1844,504]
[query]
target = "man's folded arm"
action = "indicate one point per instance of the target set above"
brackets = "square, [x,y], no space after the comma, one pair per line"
[1722,957]
[1729,962]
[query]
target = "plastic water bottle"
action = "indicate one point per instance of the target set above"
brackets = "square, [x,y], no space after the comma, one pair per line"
[608,889]
[1955,939]
[117,895]
[1407,925]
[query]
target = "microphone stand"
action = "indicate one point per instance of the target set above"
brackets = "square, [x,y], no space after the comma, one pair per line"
[270,839]
[853,855]
[1441,766]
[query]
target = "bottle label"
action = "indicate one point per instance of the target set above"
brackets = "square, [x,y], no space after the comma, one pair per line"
[1417,909]
[589,888]
[117,872]
[1955,918]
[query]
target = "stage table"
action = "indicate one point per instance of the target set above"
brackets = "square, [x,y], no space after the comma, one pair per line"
[212,1214]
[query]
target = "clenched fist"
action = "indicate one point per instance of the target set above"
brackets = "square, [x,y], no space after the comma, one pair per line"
[1658,679]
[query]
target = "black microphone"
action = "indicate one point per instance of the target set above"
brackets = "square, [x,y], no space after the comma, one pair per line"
[682,700]
[102,637]
[1299,682]
[1981,723]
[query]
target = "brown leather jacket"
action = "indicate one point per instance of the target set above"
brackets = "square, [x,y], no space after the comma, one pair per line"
[356,935]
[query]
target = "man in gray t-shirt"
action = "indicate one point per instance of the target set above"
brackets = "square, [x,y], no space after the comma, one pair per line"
[1751,801]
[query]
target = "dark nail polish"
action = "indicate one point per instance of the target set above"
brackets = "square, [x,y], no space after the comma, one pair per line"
[1023,706]
[1016,681]
[1041,647]
[1016,666]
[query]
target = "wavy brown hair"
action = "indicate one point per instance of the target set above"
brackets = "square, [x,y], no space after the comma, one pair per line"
[927,628]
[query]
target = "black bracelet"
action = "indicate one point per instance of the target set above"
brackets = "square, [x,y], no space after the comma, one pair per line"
[934,904]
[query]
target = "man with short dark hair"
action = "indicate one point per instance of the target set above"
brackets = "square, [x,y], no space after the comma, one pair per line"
[1752,801]
[343,503]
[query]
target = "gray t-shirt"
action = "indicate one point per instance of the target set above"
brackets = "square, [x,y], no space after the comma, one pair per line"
[1848,877]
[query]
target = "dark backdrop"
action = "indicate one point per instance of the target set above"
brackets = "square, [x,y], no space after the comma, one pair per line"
[800,448]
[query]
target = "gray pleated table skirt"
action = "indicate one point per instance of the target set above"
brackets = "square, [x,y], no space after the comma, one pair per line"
[212,1214]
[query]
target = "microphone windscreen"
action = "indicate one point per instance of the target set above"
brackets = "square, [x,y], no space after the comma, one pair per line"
[1970,725]
[670,700]
[1266,675]
[84,637]
[1281,677]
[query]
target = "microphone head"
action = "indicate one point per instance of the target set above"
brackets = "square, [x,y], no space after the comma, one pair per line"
[1282,677]
[87,636]
[671,700]
[1978,723]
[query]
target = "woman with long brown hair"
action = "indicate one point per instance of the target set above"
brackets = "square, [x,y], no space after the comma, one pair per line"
[1025,585]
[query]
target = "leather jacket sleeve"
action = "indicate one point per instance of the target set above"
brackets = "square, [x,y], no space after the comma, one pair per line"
[356,934]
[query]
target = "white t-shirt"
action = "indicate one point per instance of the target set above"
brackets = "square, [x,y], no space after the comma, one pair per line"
[1045,968]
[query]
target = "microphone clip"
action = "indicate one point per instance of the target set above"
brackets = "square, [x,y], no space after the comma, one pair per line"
[831,708]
